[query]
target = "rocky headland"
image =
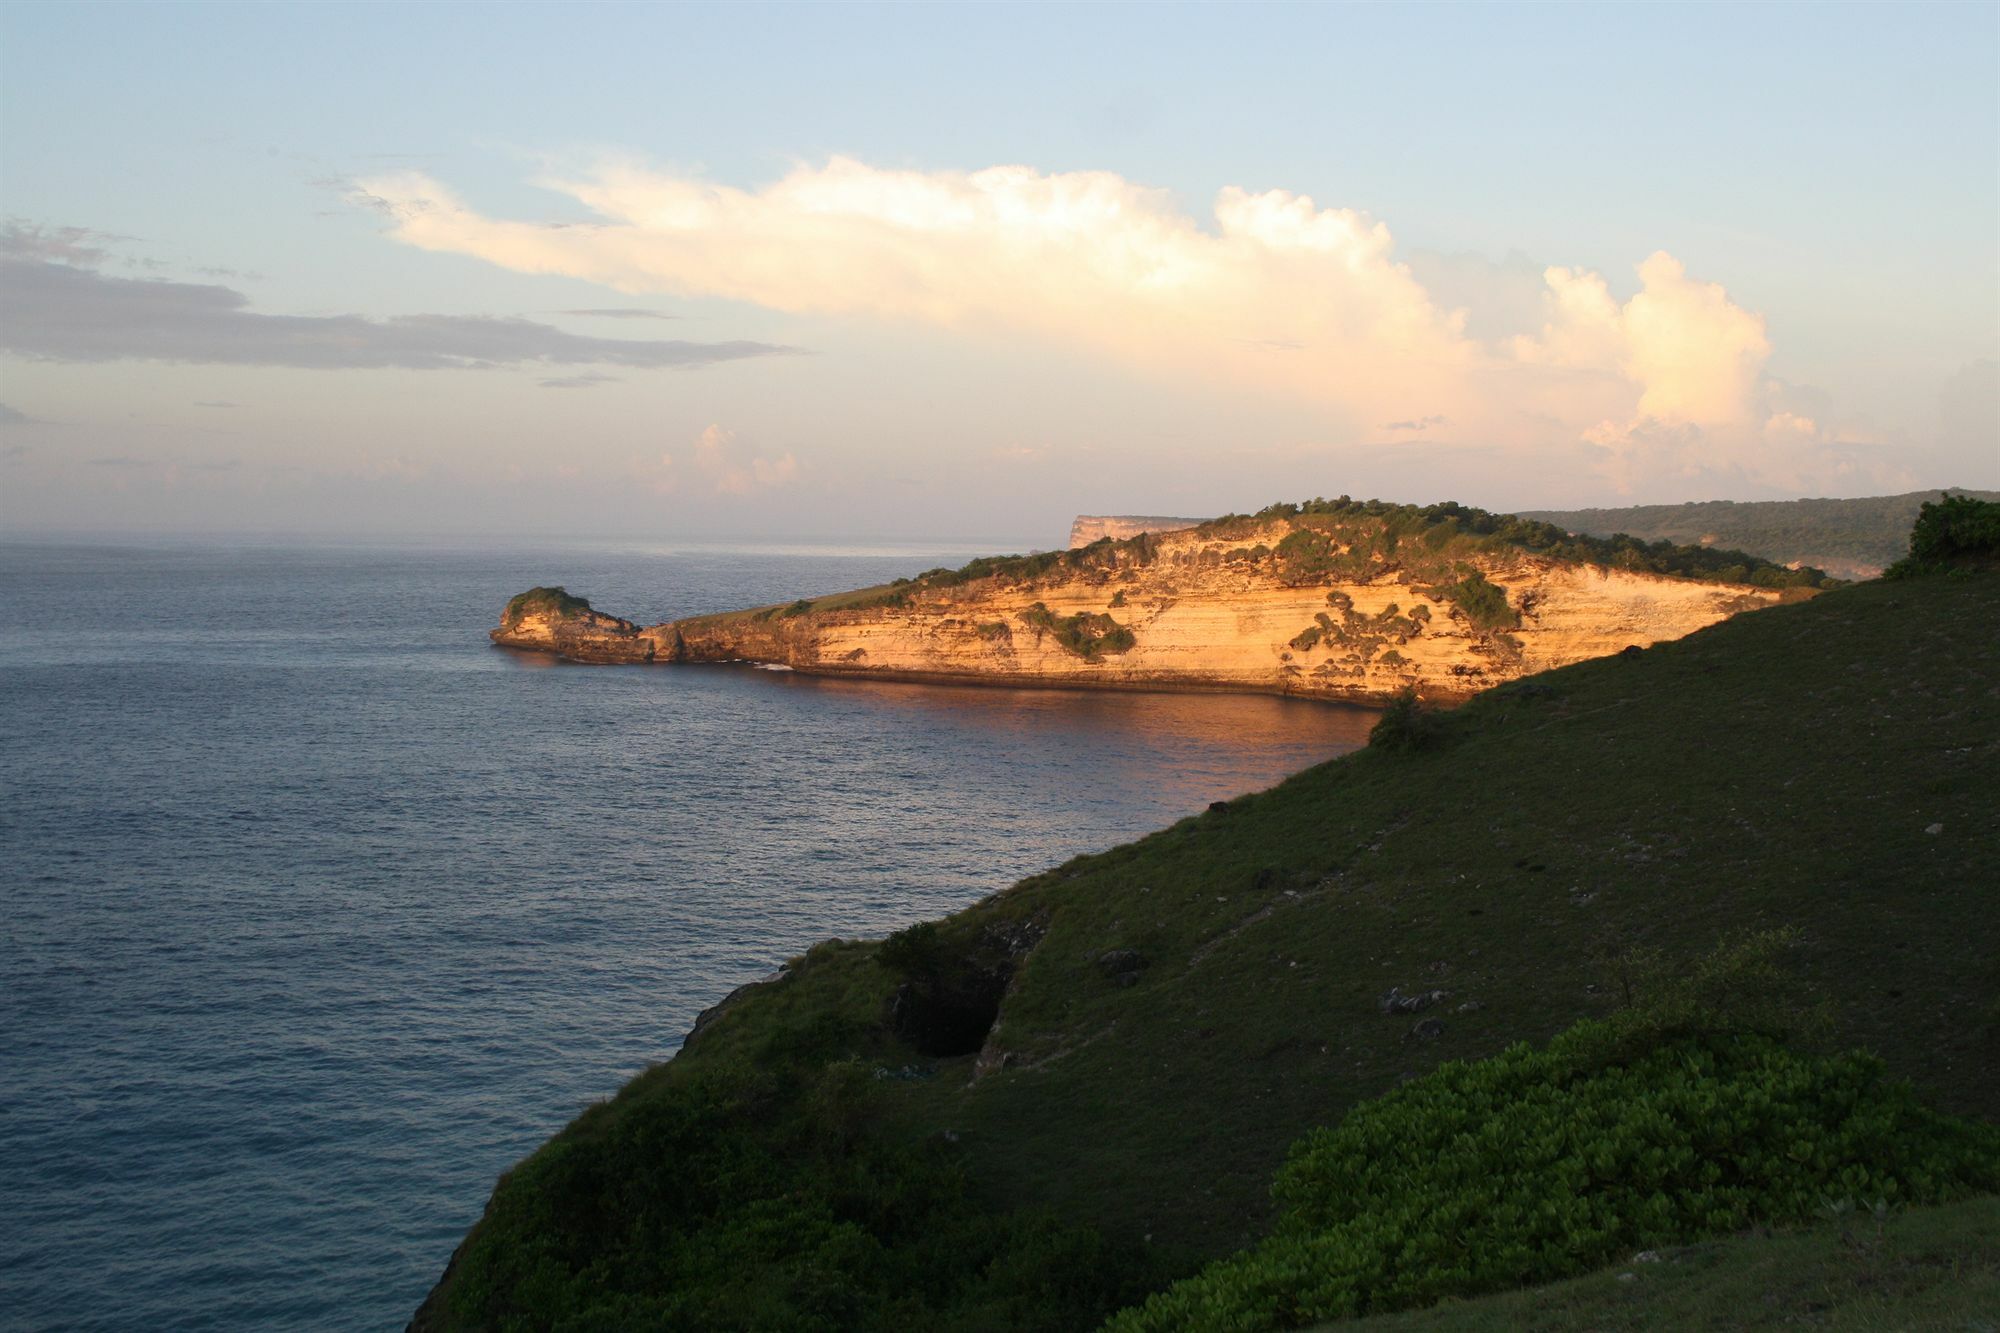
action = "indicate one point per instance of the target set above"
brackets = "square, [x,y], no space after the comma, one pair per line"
[1342,600]
[1089,528]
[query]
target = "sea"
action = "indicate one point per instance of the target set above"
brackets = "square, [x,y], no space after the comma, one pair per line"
[318,911]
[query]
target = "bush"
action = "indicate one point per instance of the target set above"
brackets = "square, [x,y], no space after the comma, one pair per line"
[1540,1164]
[543,601]
[1408,723]
[1952,531]
[1483,602]
[1087,634]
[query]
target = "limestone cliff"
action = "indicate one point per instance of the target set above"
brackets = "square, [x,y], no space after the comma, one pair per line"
[1340,604]
[1089,528]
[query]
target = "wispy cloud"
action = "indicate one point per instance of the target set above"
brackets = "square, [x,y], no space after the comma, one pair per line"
[14,416]
[1419,424]
[1674,372]
[619,312]
[66,245]
[66,311]
[213,402]
[586,381]
[721,463]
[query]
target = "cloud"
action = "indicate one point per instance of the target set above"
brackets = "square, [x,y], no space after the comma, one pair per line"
[14,416]
[722,464]
[585,381]
[67,245]
[10,452]
[619,312]
[59,312]
[214,402]
[1694,356]
[1533,361]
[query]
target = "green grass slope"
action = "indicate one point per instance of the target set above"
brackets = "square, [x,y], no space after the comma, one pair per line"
[1927,1268]
[1174,1013]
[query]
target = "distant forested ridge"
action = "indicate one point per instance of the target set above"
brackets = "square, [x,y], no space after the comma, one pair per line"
[1846,538]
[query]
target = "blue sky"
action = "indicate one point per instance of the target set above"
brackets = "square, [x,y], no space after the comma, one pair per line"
[944,351]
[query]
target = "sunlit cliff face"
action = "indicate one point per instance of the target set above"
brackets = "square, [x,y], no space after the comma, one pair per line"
[1271,291]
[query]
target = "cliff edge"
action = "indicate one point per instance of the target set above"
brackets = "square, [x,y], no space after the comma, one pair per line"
[1348,600]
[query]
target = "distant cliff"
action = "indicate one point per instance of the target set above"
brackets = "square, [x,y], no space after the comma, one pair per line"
[1339,600]
[1089,528]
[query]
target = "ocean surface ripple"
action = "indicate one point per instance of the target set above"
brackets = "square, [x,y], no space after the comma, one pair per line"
[320,912]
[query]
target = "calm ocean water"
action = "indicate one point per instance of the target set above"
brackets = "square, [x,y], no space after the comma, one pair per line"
[319,911]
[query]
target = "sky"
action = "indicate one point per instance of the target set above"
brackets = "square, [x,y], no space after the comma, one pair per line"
[926,272]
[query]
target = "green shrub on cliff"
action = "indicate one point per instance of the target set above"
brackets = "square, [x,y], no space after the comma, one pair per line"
[1087,634]
[1408,723]
[543,601]
[1953,531]
[1483,602]
[1544,1163]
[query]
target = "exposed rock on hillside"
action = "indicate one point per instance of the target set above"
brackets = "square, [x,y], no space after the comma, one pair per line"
[551,620]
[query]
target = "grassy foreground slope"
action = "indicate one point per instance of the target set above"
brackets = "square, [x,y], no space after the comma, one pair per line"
[1178,1010]
[1935,1268]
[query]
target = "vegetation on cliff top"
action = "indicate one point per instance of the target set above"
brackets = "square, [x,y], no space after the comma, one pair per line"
[1347,539]
[542,602]
[1342,540]
[1380,533]
[1170,1015]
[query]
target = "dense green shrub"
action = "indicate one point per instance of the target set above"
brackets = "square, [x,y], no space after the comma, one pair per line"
[1483,602]
[1087,634]
[1951,531]
[1543,1163]
[543,601]
[1408,723]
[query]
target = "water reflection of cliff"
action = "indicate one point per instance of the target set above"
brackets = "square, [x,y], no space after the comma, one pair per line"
[1189,748]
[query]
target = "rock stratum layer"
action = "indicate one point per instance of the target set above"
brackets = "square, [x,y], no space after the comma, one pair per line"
[1348,605]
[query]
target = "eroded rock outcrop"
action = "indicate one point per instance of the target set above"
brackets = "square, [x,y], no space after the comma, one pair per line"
[550,620]
[1347,604]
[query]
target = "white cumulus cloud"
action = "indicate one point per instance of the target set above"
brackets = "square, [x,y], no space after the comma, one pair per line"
[1668,381]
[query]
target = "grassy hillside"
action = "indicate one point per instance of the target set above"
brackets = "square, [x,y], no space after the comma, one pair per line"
[1173,1013]
[1850,538]
[1935,1268]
